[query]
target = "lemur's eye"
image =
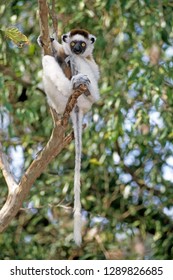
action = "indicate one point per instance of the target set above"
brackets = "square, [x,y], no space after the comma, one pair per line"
[83,44]
[72,44]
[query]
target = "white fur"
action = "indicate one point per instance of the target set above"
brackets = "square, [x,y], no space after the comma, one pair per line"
[77,118]
[58,89]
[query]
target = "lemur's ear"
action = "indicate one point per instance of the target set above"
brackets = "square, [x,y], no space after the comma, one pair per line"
[64,37]
[92,38]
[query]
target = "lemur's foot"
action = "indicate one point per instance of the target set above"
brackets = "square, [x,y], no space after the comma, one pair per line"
[80,79]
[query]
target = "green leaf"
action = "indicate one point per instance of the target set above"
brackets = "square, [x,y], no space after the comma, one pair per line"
[16,36]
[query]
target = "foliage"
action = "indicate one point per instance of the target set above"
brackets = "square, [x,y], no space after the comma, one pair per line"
[16,36]
[127,159]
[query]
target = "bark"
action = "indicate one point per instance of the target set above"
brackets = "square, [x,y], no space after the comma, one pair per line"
[45,37]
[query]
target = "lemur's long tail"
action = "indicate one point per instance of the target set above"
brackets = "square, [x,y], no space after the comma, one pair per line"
[77,117]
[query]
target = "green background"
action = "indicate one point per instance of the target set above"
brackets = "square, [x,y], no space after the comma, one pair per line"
[127,161]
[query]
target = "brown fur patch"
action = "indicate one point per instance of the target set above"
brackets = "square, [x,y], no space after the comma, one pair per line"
[89,57]
[82,32]
[60,57]
[64,66]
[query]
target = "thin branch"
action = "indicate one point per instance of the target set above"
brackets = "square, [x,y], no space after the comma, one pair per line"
[81,89]
[168,83]
[4,166]
[43,16]
[54,18]
[9,72]
[127,169]
[140,182]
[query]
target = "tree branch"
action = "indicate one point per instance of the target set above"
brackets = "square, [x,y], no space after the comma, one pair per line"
[139,181]
[17,193]
[45,38]
[55,145]
[4,166]
[7,71]
[54,18]
[81,89]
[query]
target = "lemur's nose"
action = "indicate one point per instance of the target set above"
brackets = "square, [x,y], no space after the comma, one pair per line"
[77,48]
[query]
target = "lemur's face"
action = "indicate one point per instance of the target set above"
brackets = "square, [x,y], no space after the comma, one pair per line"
[78,42]
[78,46]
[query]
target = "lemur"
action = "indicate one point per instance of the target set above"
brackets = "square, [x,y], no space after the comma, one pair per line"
[72,64]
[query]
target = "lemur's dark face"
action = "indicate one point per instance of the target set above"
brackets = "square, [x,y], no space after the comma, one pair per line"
[78,47]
